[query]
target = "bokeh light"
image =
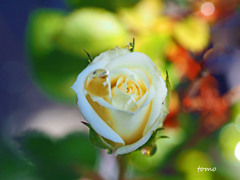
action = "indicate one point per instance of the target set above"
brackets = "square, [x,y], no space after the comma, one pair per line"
[207,8]
[237,151]
[229,138]
[52,121]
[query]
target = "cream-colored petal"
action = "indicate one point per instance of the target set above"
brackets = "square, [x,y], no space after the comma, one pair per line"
[110,55]
[122,100]
[132,147]
[143,63]
[158,100]
[86,109]
[116,99]
[135,60]
[130,126]
[103,102]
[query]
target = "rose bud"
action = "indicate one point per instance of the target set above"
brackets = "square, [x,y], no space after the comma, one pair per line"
[122,96]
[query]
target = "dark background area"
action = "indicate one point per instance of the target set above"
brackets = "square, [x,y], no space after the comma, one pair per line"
[19,96]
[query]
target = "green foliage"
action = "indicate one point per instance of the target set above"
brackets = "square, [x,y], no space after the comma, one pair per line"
[189,122]
[149,164]
[42,28]
[154,46]
[106,4]
[235,110]
[53,69]
[66,158]
[56,73]
[12,165]
[182,3]
[94,30]
[55,42]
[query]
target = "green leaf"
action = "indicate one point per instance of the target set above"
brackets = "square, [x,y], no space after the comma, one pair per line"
[106,4]
[155,46]
[56,73]
[13,166]
[43,25]
[59,159]
[54,43]
[53,69]
[96,30]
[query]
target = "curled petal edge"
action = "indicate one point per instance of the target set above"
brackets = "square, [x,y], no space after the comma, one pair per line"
[86,109]
[144,139]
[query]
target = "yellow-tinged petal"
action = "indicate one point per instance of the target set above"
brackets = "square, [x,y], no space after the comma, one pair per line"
[129,126]
[97,87]
[86,109]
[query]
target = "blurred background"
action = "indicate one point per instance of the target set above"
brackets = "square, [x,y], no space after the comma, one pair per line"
[41,54]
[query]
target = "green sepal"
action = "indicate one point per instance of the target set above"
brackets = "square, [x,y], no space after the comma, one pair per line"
[163,136]
[96,139]
[90,59]
[168,85]
[131,45]
[154,137]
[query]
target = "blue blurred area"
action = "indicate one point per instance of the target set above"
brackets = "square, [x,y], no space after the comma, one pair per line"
[223,59]
[17,93]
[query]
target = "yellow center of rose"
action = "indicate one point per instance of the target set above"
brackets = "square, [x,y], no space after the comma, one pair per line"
[123,94]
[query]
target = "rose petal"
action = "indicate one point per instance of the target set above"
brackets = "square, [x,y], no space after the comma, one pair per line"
[135,60]
[138,75]
[130,126]
[110,55]
[132,147]
[159,85]
[87,111]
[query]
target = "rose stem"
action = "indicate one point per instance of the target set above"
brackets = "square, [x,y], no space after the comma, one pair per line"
[122,166]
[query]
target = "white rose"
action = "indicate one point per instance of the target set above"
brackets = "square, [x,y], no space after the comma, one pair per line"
[122,96]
